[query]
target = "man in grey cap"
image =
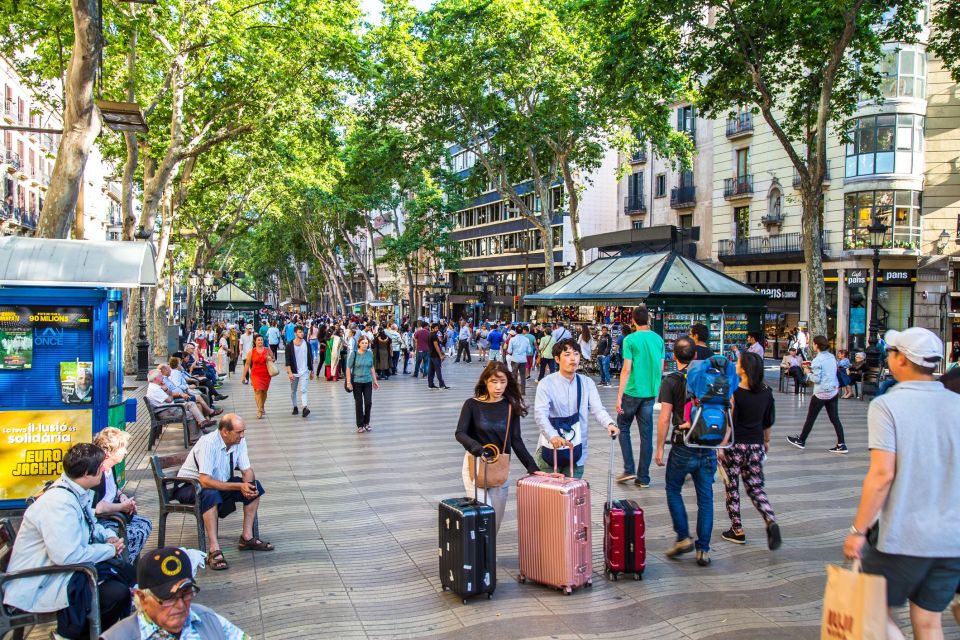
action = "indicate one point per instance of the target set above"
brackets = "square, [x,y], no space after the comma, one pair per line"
[912,486]
[165,607]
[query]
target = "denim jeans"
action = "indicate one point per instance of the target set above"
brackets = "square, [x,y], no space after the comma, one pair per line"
[420,363]
[604,362]
[642,409]
[701,465]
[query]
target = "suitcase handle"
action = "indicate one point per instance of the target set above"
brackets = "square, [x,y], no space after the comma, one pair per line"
[610,471]
[476,476]
[571,461]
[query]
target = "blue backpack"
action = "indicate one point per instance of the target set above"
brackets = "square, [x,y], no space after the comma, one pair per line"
[711,384]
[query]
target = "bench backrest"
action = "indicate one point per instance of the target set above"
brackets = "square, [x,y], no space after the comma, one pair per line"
[8,536]
[159,463]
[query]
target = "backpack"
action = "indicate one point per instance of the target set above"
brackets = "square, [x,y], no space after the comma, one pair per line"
[710,385]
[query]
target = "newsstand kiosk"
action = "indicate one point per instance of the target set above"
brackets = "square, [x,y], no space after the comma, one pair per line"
[61,351]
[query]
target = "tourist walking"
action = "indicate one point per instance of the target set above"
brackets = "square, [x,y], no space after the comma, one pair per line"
[256,371]
[331,358]
[382,354]
[246,346]
[273,338]
[912,486]
[823,374]
[698,463]
[463,342]
[395,345]
[299,360]
[483,344]
[586,344]
[643,353]
[361,379]
[496,343]
[604,346]
[421,340]
[753,417]
[491,418]
[233,349]
[545,355]
[517,351]
[436,358]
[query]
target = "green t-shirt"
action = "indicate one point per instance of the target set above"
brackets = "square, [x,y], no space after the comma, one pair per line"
[645,350]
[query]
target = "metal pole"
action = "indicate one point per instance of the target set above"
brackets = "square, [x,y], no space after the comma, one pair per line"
[873,352]
[143,346]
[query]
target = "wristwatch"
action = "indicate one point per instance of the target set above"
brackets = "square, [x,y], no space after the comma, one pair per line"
[856,532]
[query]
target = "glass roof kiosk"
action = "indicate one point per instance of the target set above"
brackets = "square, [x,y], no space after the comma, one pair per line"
[61,352]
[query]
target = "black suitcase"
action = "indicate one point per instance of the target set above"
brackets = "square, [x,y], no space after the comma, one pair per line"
[468,547]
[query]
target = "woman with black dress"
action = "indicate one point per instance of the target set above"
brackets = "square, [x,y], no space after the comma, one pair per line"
[753,417]
[483,421]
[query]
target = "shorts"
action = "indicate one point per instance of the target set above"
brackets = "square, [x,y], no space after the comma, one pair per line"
[929,583]
[224,501]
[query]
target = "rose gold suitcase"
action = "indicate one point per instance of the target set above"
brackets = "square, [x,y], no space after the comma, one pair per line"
[555,538]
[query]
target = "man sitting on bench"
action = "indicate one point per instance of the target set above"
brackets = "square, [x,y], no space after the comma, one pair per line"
[212,461]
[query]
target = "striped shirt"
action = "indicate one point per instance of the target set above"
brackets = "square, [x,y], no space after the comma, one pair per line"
[211,457]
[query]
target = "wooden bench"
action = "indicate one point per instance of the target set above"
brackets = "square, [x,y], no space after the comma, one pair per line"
[168,504]
[18,621]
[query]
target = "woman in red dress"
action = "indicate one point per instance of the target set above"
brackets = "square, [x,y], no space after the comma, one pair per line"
[256,365]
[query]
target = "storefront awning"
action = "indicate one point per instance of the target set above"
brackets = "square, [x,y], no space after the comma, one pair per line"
[629,280]
[41,262]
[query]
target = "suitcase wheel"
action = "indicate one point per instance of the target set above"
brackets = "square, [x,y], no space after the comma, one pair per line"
[567,591]
[522,579]
[464,601]
[444,587]
[490,596]
[638,576]
[589,583]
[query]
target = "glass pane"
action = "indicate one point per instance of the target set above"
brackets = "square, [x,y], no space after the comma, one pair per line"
[888,86]
[680,279]
[917,139]
[917,195]
[865,215]
[901,216]
[905,120]
[904,137]
[866,140]
[921,87]
[884,214]
[865,164]
[851,168]
[906,62]
[865,198]
[902,198]
[884,162]
[906,87]
[638,276]
[887,120]
[885,138]
[884,198]
[904,162]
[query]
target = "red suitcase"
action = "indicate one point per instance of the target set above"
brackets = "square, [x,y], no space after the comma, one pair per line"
[553,519]
[624,533]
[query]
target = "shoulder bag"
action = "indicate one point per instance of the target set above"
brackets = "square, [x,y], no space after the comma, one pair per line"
[355,354]
[272,368]
[498,468]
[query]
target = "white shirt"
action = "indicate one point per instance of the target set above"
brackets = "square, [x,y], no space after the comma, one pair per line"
[464,332]
[300,353]
[246,345]
[156,394]
[519,348]
[557,398]
[586,347]
[560,334]
[211,457]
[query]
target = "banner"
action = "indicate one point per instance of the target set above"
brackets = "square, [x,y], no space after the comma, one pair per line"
[76,382]
[32,445]
[23,328]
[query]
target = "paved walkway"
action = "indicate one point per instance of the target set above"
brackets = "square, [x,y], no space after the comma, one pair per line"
[354,521]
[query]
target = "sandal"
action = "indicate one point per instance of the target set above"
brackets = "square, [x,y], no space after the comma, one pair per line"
[254,544]
[216,561]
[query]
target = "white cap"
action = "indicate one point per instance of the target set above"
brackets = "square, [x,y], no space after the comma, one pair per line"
[920,346]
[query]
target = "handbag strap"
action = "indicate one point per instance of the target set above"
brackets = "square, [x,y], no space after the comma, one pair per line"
[506,438]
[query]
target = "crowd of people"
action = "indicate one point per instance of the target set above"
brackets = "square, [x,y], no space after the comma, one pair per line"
[914,436]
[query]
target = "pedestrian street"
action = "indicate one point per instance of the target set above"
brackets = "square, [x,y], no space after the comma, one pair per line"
[354,520]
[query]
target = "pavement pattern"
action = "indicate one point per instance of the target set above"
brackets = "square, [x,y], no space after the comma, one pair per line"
[354,520]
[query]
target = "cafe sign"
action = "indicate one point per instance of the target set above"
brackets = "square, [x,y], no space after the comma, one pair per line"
[857,278]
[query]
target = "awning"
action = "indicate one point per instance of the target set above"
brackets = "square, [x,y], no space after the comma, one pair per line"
[378,303]
[629,280]
[232,293]
[41,262]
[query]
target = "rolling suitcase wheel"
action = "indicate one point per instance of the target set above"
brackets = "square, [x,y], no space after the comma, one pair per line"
[522,579]
[567,591]
[490,596]
[464,601]
[638,576]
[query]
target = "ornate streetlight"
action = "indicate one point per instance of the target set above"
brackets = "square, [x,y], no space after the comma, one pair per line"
[877,232]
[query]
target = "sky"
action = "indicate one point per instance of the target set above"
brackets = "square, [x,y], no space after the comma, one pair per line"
[373,7]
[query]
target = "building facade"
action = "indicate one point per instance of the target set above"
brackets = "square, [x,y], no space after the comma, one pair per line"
[502,253]
[898,168]
[26,164]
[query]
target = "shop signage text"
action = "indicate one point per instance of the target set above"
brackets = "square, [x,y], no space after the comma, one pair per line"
[856,278]
[897,276]
[779,292]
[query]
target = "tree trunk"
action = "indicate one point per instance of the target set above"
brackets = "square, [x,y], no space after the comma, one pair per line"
[79,231]
[133,151]
[367,279]
[411,290]
[812,255]
[131,332]
[573,198]
[81,123]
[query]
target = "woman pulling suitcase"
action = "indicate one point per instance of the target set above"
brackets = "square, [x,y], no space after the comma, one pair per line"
[490,423]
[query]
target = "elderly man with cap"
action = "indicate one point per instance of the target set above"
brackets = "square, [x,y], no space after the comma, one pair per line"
[212,462]
[912,487]
[165,607]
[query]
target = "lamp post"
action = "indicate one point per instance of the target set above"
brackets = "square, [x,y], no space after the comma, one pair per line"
[942,241]
[877,231]
[143,345]
[483,279]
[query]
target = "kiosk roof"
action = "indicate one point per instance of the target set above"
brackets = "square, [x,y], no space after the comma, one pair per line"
[42,262]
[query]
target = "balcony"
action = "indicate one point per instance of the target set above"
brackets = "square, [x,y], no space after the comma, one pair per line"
[904,238]
[740,126]
[796,178]
[634,204]
[739,187]
[639,157]
[12,160]
[783,247]
[683,197]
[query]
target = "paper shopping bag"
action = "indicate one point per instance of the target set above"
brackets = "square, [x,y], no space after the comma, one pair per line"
[854,605]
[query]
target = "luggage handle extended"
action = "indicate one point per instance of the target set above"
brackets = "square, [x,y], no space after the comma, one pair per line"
[476,474]
[610,471]
[571,461]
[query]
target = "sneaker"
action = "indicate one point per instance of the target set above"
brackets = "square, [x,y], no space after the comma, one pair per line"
[642,485]
[773,536]
[306,412]
[626,477]
[680,547]
[360,429]
[732,536]
[296,411]
[445,387]
[796,441]
[840,448]
[703,558]
[366,427]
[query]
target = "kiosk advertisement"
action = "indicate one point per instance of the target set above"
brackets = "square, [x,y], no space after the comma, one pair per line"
[32,445]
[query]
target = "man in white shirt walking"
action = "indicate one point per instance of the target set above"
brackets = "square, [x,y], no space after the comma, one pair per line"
[299,358]
[246,346]
[517,351]
[463,342]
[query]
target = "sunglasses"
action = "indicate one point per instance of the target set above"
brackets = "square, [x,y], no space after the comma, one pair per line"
[184,595]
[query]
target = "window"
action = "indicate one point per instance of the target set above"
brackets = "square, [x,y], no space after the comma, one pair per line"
[887,143]
[686,117]
[899,210]
[903,73]
[686,221]
[741,221]
[686,179]
[661,185]
[742,166]
[638,224]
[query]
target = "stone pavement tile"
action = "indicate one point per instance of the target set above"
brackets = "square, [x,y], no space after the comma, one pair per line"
[545,626]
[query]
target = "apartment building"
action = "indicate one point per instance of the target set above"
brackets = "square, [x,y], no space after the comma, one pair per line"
[656,192]
[898,168]
[502,253]
[26,163]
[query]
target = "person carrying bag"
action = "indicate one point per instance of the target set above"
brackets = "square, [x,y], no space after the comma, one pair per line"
[854,605]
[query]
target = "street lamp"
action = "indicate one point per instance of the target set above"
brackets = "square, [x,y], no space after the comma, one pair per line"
[942,241]
[483,279]
[877,232]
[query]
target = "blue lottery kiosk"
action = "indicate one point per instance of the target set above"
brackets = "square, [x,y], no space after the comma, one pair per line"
[61,351]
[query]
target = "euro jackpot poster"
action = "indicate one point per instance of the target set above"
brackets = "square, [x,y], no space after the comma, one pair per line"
[32,446]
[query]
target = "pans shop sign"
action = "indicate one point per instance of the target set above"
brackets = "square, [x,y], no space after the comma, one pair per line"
[789,291]
[897,276]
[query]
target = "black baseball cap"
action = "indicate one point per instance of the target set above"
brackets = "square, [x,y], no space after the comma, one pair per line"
[165,571]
